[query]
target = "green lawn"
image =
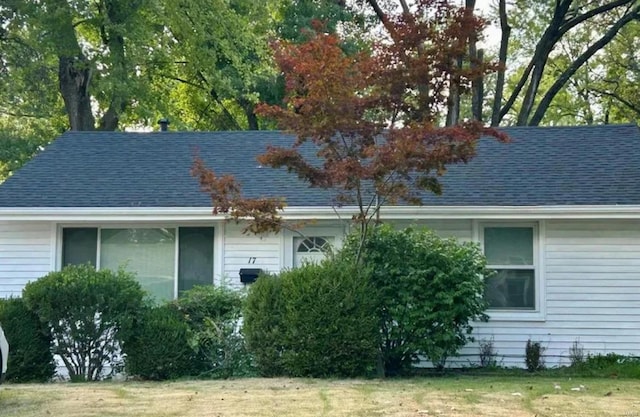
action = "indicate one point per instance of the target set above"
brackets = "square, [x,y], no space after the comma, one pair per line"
[437,396]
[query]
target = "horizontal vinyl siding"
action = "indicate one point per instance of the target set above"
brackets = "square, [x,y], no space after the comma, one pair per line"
[239,248]
[592,286]
[25,254]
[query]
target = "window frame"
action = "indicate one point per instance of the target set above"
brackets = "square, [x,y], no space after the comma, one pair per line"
[512,314]
[218,236]
[288,256]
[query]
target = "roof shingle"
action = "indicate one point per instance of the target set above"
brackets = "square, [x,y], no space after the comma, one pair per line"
[586,165]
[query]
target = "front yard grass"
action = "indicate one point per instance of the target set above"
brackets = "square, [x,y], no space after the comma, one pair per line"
[438,396]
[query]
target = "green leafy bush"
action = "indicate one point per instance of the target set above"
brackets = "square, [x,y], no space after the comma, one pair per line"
[428,290]
[86,311]
[213,316]
[30,358]
[534,356]
[157,347]
[264,326]
[317,321]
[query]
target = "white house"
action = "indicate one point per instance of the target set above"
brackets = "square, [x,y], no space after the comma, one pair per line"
[557,212]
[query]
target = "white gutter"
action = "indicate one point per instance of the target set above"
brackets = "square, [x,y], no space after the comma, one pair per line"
[79,214]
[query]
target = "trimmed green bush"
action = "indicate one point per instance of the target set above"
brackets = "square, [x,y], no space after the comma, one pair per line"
[86,312]
[330,321]
[213,316]
[428,290]
[313,321]
[264,325]
[158,348]
[30,358]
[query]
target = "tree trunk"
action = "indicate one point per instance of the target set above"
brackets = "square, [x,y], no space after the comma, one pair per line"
[502,57]
[249,111]
[74,76]
[453,101]
[477,91]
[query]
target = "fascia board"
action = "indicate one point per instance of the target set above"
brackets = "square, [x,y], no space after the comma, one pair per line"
[79,214]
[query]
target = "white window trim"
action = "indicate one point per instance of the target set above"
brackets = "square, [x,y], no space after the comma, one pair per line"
[218,242]
[539,311]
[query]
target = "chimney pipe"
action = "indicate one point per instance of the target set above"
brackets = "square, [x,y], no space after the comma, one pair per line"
[164,124]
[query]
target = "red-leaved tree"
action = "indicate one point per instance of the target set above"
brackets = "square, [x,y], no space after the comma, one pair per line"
[374,117]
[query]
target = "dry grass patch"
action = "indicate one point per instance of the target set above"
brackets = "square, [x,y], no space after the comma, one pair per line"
[490,396]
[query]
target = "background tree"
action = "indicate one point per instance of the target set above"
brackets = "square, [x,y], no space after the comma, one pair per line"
[372,116]
[555,46]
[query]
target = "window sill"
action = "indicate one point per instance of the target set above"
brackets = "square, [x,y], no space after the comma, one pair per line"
[515,315]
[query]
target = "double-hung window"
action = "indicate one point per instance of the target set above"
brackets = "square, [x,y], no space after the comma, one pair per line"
[166,261]
[511,253]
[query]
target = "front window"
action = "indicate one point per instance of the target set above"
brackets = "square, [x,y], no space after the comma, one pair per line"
[164,260]
[149,253]
[510,252]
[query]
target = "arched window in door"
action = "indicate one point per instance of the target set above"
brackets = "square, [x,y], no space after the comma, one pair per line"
[311,249]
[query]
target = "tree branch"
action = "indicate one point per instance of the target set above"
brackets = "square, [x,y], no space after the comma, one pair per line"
[571,23]
[564,77]
[633,107]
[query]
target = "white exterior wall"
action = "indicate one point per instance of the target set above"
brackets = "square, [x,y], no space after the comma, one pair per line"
[591,275]
[248,251]
[25,254]
[590,271]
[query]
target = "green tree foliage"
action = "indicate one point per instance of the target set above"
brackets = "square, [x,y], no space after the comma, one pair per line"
[86,311]
[561,60]
[325,323]
[30,358]
[16,150]
[113,63]
[428,291]
[158,348]
[89,58]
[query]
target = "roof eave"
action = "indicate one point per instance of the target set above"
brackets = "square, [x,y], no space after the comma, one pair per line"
[148,214]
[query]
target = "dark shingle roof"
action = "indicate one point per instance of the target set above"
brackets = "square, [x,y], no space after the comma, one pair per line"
[587,165]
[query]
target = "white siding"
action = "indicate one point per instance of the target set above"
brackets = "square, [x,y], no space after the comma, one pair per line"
[592,291]
[248,251]
[25,254]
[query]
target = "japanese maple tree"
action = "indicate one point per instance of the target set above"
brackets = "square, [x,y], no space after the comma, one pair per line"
[373,117]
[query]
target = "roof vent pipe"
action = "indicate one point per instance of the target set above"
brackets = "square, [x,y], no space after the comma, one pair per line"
[164,124]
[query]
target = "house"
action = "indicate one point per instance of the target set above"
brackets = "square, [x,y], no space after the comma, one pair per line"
[557,212]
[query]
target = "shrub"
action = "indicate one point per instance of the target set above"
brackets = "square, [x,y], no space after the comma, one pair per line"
[30,358]
[315,321]
[329,320]
[213,316]
[85,311]
[428,290]
[264,325]
[157,347]
[488,354]
[576,354]
[534,356]
[609,365]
